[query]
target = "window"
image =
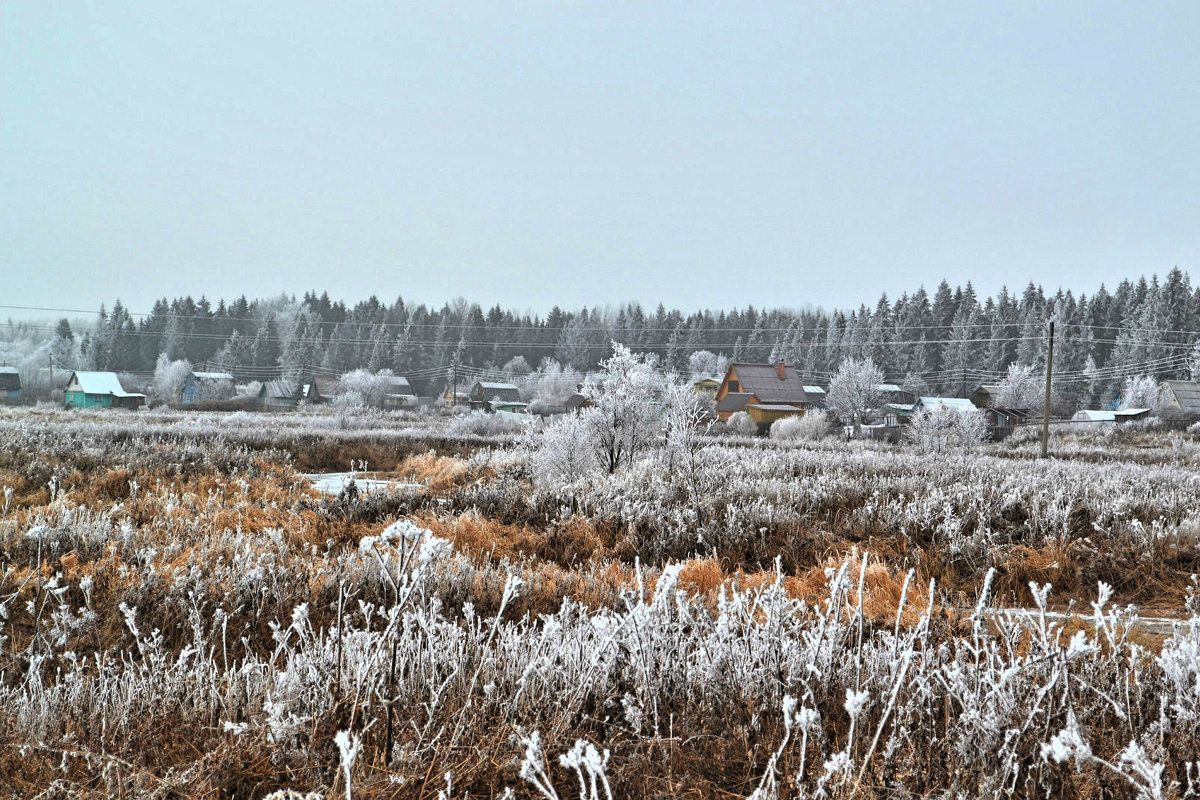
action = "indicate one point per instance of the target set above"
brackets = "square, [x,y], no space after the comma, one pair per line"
[734,387]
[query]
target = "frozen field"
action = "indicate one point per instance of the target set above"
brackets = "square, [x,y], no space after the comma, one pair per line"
[188,610]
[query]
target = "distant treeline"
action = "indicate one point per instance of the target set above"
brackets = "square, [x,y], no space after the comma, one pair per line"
[946,343]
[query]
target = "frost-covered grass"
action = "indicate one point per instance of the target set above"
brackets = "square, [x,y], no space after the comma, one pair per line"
[181,615]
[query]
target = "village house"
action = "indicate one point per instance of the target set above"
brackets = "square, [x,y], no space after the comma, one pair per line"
[99,390]
[484,394]
[767,392]
[457,394]
[708,386]
[1179,398]
[10,385]
[319,390]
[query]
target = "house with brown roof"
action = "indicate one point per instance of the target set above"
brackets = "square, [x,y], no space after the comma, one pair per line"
[767,392]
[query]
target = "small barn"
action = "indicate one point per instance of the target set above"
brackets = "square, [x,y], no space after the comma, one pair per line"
[398,393]
[279,395]
[893,393]
[207,386]
[10,385]
[99,390]
[1119,415]
[484,393]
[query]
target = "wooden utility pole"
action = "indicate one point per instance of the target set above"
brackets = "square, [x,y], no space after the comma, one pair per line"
[454,386]
[1046,406]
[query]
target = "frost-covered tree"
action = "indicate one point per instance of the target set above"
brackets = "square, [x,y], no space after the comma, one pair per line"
[362,387]
[64,350]
[705,363]
[517,365]
[563,453]
[625,415]
[170,377]
[1021,388]
[1140,391]
[854,390]
[548,387]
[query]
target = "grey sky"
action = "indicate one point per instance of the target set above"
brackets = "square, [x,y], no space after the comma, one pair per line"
[582,154]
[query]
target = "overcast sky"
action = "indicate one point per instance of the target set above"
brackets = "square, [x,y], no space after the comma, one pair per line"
[584,154]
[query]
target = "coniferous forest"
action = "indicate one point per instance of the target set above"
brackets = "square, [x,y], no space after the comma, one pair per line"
[945,342]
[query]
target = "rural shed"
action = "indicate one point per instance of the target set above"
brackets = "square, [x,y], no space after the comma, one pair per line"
[398,392]
[207,386]
[10,384]
[99,390]
[279,395]
[985,395]
[1120,415]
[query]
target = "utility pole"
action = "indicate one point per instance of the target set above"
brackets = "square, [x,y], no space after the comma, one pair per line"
[50,393]
[1046,406]
[454,386]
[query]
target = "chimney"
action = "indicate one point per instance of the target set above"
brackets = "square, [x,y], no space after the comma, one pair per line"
[781,371]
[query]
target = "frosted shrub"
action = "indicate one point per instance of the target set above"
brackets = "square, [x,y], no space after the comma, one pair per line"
[939,429]
[479,423]
[810,427]
[741,424]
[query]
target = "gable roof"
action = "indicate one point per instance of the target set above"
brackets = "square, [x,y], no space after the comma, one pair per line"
[212,376]
[100,383]
[281,389]
[398,384]
[490,390]
[762,381]
[1186,393]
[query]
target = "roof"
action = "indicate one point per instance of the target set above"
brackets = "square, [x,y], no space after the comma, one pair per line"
[888,387]
[813,389]
[490,390]
[398,384]
[959,404]
[734,401]
[990,388]
[281,388]
[101,383]
[762,381]
[1187,394]
[575,401]
[773,407]
[1089,415]
[212,376]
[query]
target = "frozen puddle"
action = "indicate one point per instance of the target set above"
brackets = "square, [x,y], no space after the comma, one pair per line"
[334,482]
